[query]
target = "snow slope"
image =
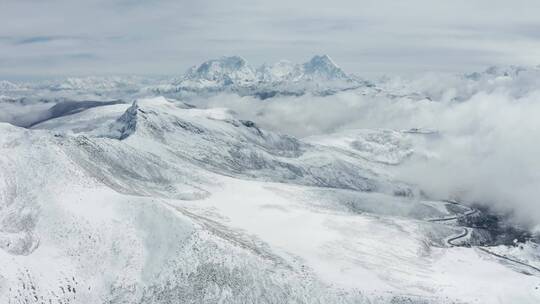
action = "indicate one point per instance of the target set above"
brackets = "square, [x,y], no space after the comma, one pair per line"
[160,202]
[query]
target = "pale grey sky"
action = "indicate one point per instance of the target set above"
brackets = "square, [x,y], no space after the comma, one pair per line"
[46,38]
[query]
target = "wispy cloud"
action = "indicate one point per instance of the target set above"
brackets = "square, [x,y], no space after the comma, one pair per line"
[43,39]
[173,35]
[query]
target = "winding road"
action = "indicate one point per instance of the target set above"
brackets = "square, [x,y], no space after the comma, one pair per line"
[467,231]
[450,241]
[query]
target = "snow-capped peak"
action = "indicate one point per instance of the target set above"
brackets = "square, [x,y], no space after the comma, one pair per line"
[324,67]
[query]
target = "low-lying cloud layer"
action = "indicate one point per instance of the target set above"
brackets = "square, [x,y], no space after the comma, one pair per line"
[487,151]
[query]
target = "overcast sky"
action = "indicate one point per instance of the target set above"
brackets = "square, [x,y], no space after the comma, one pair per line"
[43,38]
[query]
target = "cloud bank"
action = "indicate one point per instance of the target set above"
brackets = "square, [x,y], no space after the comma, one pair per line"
[487,151]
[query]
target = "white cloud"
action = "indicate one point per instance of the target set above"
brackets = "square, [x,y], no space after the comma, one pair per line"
[487,152]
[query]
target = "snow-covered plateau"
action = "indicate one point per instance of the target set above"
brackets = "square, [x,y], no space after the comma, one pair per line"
[133,190]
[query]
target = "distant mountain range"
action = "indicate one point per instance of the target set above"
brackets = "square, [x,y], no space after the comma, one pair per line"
[320,75]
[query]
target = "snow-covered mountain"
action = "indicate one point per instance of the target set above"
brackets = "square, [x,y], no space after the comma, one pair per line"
[321,68]
[320,75]
[158,201]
